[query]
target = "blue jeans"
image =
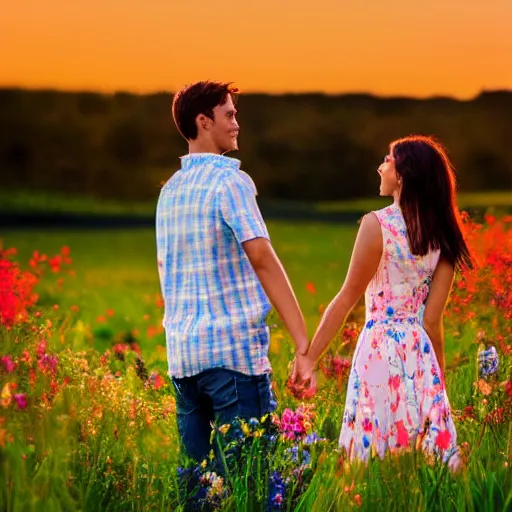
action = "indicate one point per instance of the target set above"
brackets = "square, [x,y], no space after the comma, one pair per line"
[217,395]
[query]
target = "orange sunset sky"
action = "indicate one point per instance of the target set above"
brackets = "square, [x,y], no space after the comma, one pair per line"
[394,47]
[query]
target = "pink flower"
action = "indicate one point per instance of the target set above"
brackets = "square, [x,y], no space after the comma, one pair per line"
[41,348]
[21,400]
[47,363]
[8,364]
[294,425]
[340,365]
[443,439]
[367,425]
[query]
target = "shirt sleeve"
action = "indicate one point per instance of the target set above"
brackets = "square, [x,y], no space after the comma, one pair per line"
[240,210]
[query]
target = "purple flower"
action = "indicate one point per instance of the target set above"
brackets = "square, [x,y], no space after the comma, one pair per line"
[21,400]
[313,438]
[277,490]
[47,363]
[8,364]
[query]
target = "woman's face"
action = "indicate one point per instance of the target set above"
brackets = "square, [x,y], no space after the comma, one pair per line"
[389,182]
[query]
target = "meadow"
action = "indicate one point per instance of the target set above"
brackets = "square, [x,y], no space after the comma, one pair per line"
[87,411]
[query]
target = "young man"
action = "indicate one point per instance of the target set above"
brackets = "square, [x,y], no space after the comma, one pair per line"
[217,272]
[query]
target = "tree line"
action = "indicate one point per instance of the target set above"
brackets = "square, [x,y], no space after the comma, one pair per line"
[300,146]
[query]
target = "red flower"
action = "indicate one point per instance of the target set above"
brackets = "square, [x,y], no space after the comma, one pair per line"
[158,381]
[16,291]
[121,348]
[310,287]
[55,263]
[508,387]
[65,251]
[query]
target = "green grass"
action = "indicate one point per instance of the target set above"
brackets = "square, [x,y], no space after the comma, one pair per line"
[34,201]
[117,268]
[62,469]
[490,199]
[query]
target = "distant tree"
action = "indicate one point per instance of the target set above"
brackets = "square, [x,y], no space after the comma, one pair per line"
[295,146]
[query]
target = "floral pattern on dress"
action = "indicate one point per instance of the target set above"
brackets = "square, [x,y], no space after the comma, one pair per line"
[396,397]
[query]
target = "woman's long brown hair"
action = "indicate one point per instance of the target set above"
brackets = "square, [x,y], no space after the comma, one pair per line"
[428,200]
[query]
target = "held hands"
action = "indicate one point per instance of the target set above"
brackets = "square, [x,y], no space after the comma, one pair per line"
[302,381]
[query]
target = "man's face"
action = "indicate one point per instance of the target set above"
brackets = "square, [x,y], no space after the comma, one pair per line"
[225,129]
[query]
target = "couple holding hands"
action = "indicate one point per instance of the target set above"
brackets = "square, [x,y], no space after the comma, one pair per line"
[220,277]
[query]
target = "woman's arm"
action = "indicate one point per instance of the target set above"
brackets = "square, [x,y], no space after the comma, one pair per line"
[436,303]
[364,262]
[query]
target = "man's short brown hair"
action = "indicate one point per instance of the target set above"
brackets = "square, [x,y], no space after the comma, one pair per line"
[199,98]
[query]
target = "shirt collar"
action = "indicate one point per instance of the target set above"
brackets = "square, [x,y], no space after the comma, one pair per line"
[200,159]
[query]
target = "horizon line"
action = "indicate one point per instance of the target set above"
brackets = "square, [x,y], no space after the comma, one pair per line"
[255,92]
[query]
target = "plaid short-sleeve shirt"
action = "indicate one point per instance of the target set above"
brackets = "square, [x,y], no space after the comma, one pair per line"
[215,307]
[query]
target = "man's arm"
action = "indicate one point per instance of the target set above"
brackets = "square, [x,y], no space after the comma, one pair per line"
[242,214]
[275,282]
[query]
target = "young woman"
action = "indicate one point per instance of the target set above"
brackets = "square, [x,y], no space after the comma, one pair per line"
[404,257]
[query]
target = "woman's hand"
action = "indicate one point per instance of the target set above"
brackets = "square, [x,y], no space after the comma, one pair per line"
[302,382]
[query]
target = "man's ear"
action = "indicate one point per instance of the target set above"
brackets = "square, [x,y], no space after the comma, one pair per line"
[203,122]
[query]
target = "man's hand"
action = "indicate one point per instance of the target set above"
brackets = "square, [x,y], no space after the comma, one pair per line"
[302,382]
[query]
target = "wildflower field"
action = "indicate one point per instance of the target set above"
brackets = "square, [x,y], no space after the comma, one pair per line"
[87,411]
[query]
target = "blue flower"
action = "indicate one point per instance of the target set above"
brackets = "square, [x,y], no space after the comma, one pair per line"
[294,450]
[312,438]
[426,348]
[253,422]
[436,379]
[389,311]
[277,490]
[370,323]
[366,442]
[488,362]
